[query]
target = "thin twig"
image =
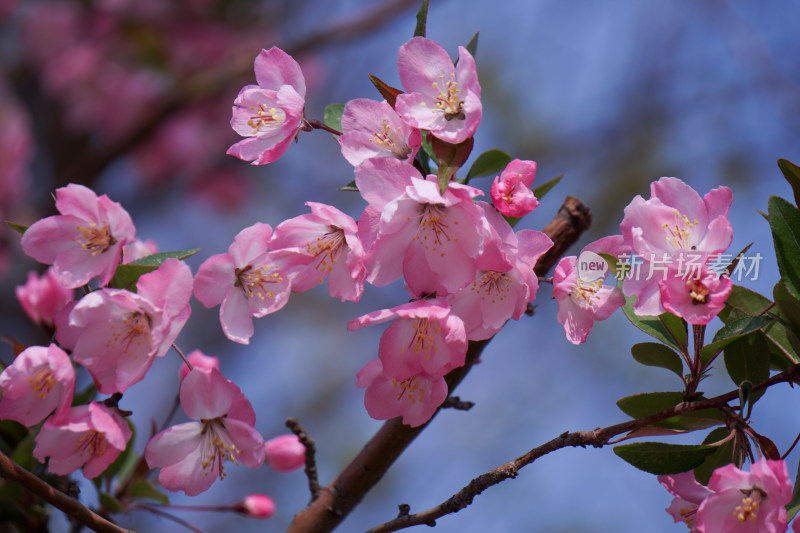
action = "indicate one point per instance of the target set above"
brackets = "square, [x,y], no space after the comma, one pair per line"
[454,402]
[311,461]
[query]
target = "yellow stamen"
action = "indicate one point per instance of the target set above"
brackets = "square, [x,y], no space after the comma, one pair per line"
[252,280]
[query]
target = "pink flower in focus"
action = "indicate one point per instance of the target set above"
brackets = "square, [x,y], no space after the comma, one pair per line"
[91,436]
[191,455]
[248,281]
[688,495]
[511,191]
[373,129]
[42,297]
[440,98]
[425,336]
[256,506]
[269,114]
[415,398]
[747,501]
[582,302]
[39,381]
[330,248]
[285,453]
[697,299]
[674,225]
[85,241]
[119,332]
[198,360]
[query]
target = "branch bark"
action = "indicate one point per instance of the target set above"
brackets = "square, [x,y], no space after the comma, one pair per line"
[345,492]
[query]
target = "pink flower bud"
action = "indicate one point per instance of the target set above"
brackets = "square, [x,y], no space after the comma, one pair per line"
[257,506]
[285,453]
[199,360]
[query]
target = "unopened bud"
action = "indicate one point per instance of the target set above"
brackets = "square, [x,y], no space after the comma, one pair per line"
[285,453]
[256,506]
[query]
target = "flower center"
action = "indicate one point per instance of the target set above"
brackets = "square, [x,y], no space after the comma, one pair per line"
[266,118]
[216,448]
[252,280]
[42,382]
[410,389]
[491,284]
[423,338]
[678,235]
[326,249]
[135,331]
[93,442]
[748,507]
[433,227]
[448,101]
[388,139]
[586,290]
[698,292]
[96,240]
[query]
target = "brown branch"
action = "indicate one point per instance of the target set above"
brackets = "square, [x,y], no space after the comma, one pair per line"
[12,472]
[346,491]
[597,438]
[311,451]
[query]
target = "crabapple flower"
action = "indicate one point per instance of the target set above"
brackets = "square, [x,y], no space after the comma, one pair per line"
[256,506]
[285,453]
[674,225]
[415,398]
[269,115]
[747,501]
[697,299]
[581,301]
[330,248]
[688,495]
[198,360]
[511,191]
[138,249]
[373,129]
[248,281]
[120,332]
[441,98]
[42,297]
[90,436]
[39,381]
[84,241]
[424,337]
[191,455]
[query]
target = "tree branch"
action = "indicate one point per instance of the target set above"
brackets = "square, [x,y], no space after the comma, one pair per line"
[346,491]
[597,438]
[12,472]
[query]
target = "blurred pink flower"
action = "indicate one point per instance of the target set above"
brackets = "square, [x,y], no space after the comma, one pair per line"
[42,297]
[256,506]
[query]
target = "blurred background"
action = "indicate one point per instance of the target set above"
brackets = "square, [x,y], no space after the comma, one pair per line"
[132,98]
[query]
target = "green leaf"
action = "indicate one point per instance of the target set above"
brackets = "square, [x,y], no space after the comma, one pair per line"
[143,490]
[655,354]
[747,359]
[110,503]
[349,187]
[792,174]
[722,456]
[422,18]
[332,116]
[660,327]
[784,220]
[472,45]
[545,187]
[732,266]
[17,227]
[641,405]
[451,157]
[427,147]
[489,163]
[661,458]
[788,305]
[23,452]
[85,396]
[128,274]
[388,92]
[730,332]
[794,504]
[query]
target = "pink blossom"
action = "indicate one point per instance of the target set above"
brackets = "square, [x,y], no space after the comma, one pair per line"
[697,299]
[746,501]
[138,249]
[248,281]
[198,360]
[424,337]
[91,436]
[373,129]
[285,453]
[330,248]
[85,241]
[440,98]
[675,224]
[688,495]
[269,114]
[256,506]
[120,332]
[42,297]
[415,398]
[39,381]
[511,191]
[582,302]
[191,455]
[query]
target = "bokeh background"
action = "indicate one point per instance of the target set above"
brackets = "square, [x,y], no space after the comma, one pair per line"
[133,99]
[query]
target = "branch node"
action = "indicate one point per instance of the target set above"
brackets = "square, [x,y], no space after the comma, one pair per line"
[404,510]
[454,402]
[311,462]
